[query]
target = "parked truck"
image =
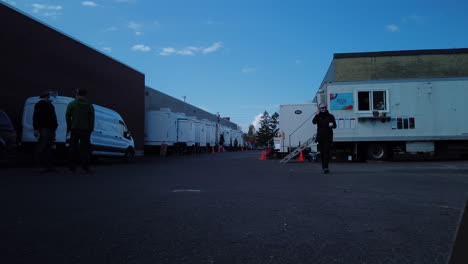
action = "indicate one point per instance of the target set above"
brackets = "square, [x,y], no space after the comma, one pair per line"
[377,119]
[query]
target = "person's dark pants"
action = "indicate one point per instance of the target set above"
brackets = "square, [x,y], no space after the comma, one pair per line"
[79,149]
[324,148]
[43,153]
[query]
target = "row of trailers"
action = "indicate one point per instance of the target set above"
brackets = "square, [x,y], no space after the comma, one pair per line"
[180,133]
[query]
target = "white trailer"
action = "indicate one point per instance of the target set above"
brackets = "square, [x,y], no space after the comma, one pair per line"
[160,127]
[378,118]
[210,128]
[295,126]
[237,135]
[185,130]
[201,126]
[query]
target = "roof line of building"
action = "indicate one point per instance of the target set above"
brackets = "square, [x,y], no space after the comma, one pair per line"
[399,53]
[66,35]
[148,87]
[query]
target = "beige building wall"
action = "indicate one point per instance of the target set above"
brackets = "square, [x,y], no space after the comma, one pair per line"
[401,67]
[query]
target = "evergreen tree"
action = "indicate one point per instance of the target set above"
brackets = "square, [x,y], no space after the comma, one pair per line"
[264,132]
[274,124]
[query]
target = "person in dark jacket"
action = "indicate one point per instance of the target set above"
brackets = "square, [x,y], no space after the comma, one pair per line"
[325,125]
[80,124]
[45,124]
[221,141]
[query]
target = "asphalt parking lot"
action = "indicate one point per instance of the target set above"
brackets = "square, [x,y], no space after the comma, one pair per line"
[232,208]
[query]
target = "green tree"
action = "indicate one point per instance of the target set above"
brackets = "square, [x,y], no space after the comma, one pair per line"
[264,132]
[274,124]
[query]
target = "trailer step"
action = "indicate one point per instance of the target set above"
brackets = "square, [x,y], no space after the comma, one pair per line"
[298,150]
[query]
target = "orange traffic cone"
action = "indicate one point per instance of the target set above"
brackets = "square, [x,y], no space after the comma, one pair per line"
[301,157]
[224,150]
[242,149]
[212,150]
[263,155]
[219,149]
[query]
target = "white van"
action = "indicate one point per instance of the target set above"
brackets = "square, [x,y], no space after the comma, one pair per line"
[109,138]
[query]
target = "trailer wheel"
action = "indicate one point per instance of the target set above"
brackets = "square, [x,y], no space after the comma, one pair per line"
[377,151]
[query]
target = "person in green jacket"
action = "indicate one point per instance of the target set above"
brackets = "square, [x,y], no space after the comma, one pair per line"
[80,125]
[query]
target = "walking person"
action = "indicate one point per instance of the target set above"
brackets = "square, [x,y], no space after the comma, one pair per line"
[325,125]
[80,124]
[44,124]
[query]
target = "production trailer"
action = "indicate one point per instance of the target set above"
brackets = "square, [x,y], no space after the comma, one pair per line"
[376,119]
[295,126]
[160,128]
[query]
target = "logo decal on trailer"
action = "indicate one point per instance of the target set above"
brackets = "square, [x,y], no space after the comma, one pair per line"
[341,101]
[298,112]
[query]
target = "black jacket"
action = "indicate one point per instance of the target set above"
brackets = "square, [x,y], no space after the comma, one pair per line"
[44,116]
[324,131]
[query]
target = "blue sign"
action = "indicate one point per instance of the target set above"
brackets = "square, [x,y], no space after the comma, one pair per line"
[341,101]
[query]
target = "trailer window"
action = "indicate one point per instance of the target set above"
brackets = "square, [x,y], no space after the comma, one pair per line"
[372,100]
[363,101]
[378,100]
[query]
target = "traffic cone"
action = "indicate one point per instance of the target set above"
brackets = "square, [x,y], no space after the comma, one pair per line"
[301,157]
[212,150]
[224,150]
[219,149]
[263,155]
[242,148]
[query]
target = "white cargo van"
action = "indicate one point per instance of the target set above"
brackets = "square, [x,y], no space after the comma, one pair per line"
[109,138]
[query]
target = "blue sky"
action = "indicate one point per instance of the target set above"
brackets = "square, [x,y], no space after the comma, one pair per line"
[240,57]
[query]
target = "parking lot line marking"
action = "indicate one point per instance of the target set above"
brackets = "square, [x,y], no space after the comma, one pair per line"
[188,190]
[447,207]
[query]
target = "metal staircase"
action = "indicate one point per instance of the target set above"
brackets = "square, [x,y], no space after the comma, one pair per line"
[298,150]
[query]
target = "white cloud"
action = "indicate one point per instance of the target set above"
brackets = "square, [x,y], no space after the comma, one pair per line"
[125,1]
[138,33]
[141,47]
[298,61]
[185,52]
[392,28]
[189,51]
[13,3]
[256,121]
[88,3]
[47,10]
[167,51]
[134,26]
[108,49]
[248,70]
[216,46]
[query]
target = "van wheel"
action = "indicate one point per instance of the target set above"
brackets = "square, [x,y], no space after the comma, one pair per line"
[377,151]
[129,155]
